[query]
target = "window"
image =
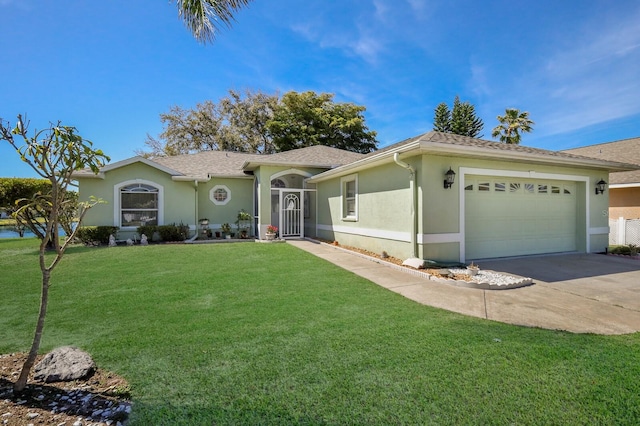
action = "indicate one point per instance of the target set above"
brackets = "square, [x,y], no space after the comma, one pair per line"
[555,189]
[349,197]
[220,195]
[542,189]
[514,187]
[529,188]
[499,187]
[484,186]
[138,205]
[278,183]
[469,187]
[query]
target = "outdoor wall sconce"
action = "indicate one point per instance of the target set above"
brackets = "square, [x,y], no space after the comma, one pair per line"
[600,186]
[450,177]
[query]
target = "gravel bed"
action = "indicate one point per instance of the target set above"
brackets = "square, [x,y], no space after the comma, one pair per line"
[494,279]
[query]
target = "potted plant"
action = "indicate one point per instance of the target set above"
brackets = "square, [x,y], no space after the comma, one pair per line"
[226,230]
[473,269]
[243,222]
[271,232]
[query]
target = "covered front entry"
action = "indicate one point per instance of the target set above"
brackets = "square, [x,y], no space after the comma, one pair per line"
[510,216]
[290,203]
[291,208]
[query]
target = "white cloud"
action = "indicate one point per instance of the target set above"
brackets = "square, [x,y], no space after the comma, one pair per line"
[358,40]
[592,81]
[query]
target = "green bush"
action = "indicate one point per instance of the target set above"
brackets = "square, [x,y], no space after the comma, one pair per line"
[95,235]
[173,232]
[147,230]
[624,250]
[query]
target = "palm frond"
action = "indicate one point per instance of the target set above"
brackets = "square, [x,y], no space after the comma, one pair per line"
[204,18]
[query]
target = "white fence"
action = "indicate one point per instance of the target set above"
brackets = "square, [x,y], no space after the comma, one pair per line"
[624,231]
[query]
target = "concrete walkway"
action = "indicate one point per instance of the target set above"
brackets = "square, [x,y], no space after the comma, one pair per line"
[581,293]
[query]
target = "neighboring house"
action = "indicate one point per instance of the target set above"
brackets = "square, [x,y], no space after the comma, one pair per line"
[505,200]
[624,187]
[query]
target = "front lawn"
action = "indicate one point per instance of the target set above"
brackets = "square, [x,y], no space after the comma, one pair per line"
[268,334]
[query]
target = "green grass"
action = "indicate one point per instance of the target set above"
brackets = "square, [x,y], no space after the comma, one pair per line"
[268,334]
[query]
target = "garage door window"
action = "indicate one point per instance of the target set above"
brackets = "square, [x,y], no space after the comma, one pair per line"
[519,188]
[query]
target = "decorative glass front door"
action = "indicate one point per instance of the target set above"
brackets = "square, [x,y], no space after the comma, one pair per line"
[291,217]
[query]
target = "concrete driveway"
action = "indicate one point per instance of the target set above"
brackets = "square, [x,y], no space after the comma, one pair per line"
[581,293]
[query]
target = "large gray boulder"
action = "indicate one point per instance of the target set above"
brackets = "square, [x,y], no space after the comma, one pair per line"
[64,364]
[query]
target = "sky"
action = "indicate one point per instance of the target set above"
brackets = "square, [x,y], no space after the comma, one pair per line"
[110,68]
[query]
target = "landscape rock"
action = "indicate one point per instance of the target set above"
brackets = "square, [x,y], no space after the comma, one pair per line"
[64,364]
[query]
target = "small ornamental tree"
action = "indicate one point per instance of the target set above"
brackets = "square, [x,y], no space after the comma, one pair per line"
[54,154]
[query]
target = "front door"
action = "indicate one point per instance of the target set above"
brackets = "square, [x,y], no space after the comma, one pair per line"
[291,213]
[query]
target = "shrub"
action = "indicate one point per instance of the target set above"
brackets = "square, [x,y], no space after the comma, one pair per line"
[173,232]
[147,230]
[95,235]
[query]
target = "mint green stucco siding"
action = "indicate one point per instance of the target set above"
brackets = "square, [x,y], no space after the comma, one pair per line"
[452,225]
[181,202]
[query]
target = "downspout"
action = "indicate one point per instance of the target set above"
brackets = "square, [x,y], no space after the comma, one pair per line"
[195,186]
[414,197]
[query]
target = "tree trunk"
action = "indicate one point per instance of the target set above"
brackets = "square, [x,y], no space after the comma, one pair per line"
[21,383]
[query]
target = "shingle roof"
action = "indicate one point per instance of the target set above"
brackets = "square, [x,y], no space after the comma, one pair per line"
[627,151]
[451,144]
[203,164]
[317,155]
[458,140]
[232,164]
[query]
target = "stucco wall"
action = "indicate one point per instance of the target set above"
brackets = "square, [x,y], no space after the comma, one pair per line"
[384,212]
[178,197]
[241,198]
[384,200]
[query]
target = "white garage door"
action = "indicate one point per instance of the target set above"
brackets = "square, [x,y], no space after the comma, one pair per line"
[513,217]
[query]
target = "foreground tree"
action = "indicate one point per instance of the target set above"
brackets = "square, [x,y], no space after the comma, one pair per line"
[54,154]
[14,189]
[203,17]
[511,124]
[460,120]
[307,119]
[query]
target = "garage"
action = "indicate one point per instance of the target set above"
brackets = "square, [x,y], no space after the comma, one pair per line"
[517,216]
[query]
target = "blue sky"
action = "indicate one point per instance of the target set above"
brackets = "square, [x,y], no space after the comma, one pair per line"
[111,67]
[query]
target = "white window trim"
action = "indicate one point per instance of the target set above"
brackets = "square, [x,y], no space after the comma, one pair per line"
[117,216]
[343,198]
[212,193]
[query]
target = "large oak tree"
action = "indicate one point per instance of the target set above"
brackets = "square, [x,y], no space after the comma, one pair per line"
[259,123]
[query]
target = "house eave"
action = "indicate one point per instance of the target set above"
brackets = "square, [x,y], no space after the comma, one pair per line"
[624,185]
[436,148]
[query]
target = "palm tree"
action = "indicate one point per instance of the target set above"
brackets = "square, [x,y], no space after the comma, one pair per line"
[203,17]
[511,124]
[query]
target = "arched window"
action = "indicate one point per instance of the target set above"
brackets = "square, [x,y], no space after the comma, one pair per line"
[138,205]
[278,183]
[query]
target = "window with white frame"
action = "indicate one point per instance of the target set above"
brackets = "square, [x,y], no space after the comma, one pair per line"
[349,191]
[220,195]
[138,205]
